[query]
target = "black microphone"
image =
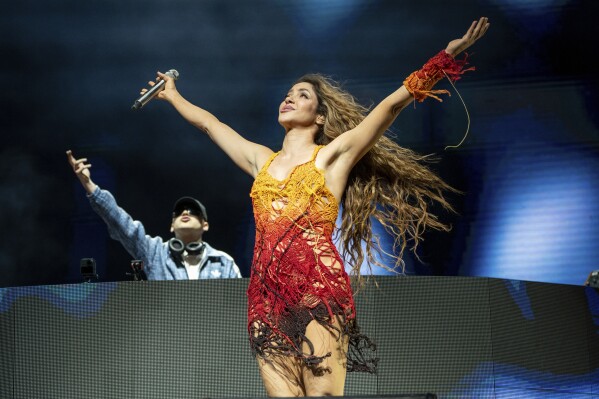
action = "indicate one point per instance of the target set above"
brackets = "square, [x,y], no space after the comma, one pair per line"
[148,95]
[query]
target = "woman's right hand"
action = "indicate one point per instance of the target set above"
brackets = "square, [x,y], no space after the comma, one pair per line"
[169,87]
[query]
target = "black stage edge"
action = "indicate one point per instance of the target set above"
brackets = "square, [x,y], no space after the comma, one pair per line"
[399,396]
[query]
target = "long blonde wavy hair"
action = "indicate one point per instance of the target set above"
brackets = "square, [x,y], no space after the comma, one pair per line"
[390,183]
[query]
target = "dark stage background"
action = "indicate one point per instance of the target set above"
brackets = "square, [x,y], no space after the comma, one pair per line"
[71,70]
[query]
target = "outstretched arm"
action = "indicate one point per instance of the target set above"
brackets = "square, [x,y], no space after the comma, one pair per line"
[349,147]
[247,155]
[121,226]
[82,171]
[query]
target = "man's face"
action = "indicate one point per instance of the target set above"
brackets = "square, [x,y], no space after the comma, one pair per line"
[188,220]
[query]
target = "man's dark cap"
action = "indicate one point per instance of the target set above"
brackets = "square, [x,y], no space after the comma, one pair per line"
[190,202]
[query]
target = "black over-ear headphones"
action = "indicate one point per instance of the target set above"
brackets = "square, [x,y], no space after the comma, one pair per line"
[177,247]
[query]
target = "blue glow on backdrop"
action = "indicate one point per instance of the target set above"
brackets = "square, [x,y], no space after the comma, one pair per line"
[317,17]
[540,222]
[531,5]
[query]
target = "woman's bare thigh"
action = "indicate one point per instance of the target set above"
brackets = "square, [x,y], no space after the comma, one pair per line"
[326,340]
[281,376]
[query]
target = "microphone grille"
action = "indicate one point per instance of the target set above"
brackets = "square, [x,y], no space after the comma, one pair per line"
[173,74]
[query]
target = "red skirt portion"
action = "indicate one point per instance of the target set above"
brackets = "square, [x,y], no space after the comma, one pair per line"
[298,278]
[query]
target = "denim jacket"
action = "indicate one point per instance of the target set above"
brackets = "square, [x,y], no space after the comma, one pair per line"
[154,251]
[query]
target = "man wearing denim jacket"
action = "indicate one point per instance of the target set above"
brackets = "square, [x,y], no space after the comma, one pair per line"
[184,257]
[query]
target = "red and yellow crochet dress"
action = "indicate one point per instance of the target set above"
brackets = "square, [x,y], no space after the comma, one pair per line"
[297,273]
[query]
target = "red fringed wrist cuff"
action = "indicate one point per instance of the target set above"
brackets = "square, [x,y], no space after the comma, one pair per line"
[420,82]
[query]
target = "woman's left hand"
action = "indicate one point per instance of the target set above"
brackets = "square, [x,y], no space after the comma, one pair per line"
[475,32]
